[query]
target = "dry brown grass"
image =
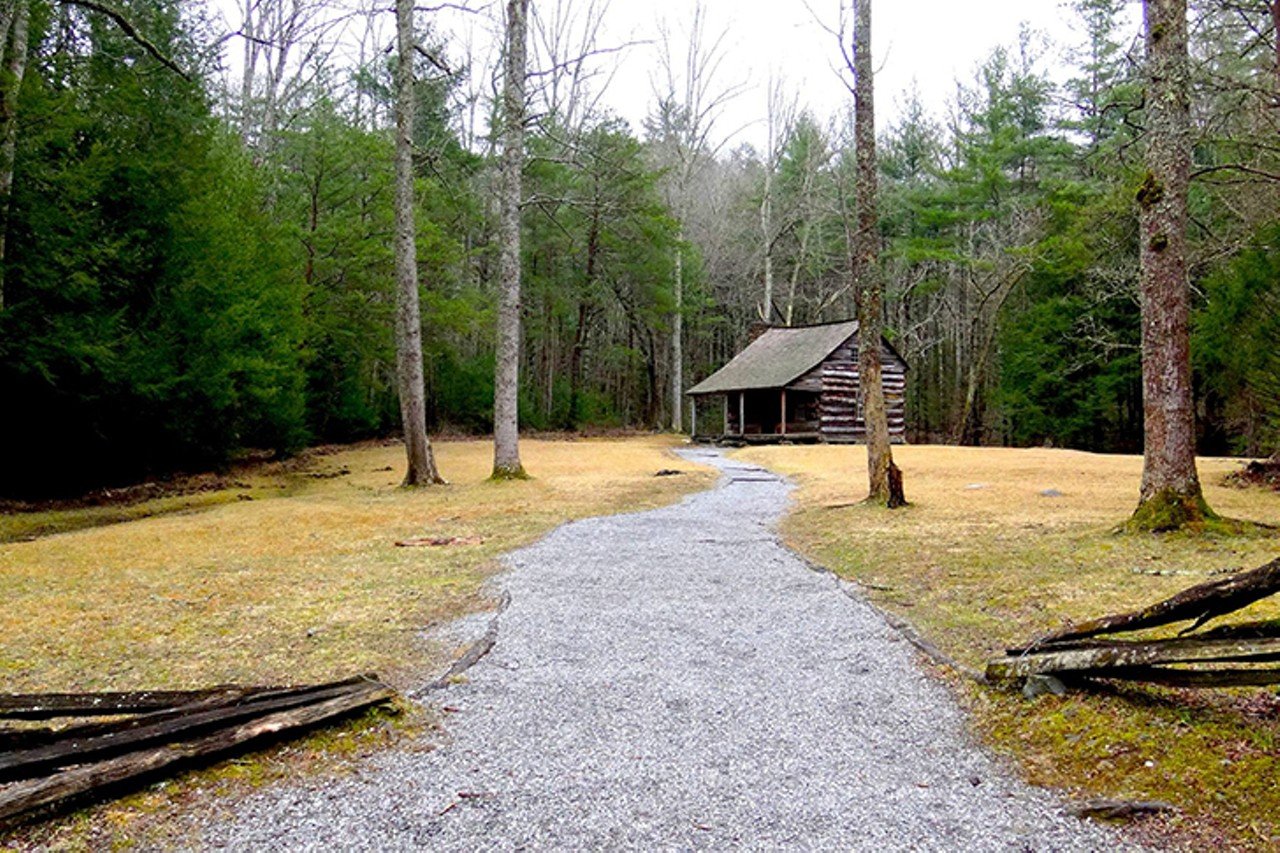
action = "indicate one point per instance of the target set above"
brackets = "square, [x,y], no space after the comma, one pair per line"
[976,569]
[304,582]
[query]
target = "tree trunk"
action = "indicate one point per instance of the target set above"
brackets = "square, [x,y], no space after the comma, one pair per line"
[866,273]
[248,32]
[8,12]
[413,408]
[13,48]
[584,320]
[677,343]
[969,428]
[573,416]
[506,382]
[801,253]
[653,389]
[1170,495]
[1275,32]
[766,235]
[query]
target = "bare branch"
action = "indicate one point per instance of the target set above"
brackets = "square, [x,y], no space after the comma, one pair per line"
[127,27]
[1236,167]
[431,57]
[601,51]
[451,7]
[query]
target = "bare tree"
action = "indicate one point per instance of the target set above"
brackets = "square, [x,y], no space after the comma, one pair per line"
[884,478]
[567,83]
[413,408]
[690,103]
[805,207]
[477,89]
[286,44]
[506,385]
[779,121]
[1170,495]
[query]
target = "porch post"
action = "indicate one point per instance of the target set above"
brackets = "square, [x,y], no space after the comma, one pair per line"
[693,417]
[726,412]
[742,413]
[784,411]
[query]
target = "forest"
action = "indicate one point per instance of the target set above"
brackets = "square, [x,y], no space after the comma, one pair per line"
[197,232]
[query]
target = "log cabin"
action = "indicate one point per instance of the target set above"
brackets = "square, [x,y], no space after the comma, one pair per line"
[796,384]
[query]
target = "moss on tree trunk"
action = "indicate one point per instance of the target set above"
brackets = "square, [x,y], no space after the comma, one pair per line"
[509,472]
[1170,509]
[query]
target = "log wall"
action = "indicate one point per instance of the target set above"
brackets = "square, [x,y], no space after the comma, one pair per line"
[841,417]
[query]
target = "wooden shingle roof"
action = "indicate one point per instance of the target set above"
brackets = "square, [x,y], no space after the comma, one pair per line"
[777,358]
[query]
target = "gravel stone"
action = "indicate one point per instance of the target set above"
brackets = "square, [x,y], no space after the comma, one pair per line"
[678,680]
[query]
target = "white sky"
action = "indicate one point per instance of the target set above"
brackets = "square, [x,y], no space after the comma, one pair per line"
[930,42]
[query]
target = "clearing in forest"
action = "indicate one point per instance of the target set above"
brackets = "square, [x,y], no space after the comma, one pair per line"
[678,679]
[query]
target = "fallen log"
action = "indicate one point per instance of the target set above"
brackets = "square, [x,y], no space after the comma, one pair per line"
[1201,602]
[1244,630]
[46,706]
[180,723]
[14,737]
[1104,656]
[23,798]
[25,736]
[437,541]
[1171,677]
[1119,809]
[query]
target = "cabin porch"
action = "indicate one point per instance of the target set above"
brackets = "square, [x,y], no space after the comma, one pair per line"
[763,416]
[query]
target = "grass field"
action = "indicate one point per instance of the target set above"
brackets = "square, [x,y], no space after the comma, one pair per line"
[303,581]
[983,558]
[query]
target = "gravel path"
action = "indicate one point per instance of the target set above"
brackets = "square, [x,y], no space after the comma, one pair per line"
[677,679]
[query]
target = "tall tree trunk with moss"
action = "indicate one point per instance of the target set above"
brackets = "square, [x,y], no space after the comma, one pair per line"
[413,409]
[1170,495]
[506,384]
[884,480]
[14,27]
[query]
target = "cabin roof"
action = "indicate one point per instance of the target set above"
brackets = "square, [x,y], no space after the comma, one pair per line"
[778,357]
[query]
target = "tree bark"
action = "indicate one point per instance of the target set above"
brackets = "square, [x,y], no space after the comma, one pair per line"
[8,12]
[413,408]
[766,228]
[1095,660]
[1170,493]
[574,415]
[13,49]
[248,31]
[866,272]
[677,343]
[802,252]
[1275,33]
[779,122]
[506,383]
